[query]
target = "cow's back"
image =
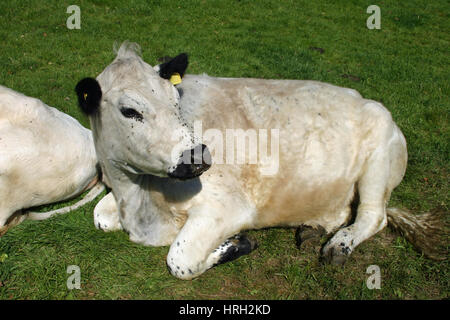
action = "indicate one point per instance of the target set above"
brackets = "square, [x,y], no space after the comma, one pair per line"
[45,155]
[324,140]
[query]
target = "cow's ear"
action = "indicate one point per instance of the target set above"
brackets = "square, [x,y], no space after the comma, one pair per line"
[89,95]
[178,65]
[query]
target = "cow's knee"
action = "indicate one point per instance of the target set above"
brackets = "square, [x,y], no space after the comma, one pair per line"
[186,261]
[181,265]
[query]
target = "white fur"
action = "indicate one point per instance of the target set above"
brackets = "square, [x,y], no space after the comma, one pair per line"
[46,156]
[106,217]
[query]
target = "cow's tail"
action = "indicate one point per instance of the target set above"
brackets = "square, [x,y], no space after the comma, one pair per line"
[92,194]
[427,232]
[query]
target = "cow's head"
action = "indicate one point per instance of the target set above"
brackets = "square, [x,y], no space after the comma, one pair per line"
[136,120]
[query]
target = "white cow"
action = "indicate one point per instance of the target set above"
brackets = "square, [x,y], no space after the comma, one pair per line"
[46,156]
[333,144]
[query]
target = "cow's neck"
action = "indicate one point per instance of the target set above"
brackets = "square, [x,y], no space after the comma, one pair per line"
[143,211]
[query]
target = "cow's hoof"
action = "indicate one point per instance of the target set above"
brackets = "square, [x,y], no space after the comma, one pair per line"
[306,235]
[237,246]
[244,243]
[331,255]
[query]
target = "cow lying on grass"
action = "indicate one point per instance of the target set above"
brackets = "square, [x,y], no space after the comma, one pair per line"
[46,156]
[333,144]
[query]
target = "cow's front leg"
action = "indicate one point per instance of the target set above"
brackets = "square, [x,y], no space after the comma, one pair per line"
[231,249]
[106,214]
[207,240]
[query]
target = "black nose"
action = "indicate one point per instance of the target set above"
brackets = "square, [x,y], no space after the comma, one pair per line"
[192,163]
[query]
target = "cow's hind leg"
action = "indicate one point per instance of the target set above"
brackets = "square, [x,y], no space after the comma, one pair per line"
[370,219]
[306,235]
[371,213]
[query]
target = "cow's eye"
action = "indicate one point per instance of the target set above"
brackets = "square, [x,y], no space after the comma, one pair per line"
[131,113]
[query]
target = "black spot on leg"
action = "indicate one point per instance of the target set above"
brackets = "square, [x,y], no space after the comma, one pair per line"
[241,245]
[345,250]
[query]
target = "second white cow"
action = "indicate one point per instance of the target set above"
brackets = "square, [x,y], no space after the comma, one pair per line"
[46,156]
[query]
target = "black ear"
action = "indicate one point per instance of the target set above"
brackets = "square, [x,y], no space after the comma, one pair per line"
[178,64]
[89,95]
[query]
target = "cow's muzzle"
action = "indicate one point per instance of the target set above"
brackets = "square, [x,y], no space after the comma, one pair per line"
[192,163]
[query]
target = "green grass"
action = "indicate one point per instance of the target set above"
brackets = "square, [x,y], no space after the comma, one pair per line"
[404,65]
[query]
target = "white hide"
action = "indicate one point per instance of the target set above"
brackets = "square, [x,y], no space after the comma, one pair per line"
[46,156]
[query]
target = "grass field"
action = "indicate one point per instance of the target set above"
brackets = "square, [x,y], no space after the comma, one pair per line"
[405,65]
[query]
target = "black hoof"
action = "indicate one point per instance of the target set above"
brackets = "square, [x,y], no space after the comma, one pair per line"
[240,245]
[309,235]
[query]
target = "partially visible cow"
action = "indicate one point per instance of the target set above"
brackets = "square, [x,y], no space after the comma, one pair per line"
[333,145]
[46,156]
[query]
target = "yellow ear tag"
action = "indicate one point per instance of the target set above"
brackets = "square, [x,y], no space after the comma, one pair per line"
[85,96]
[175,78]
